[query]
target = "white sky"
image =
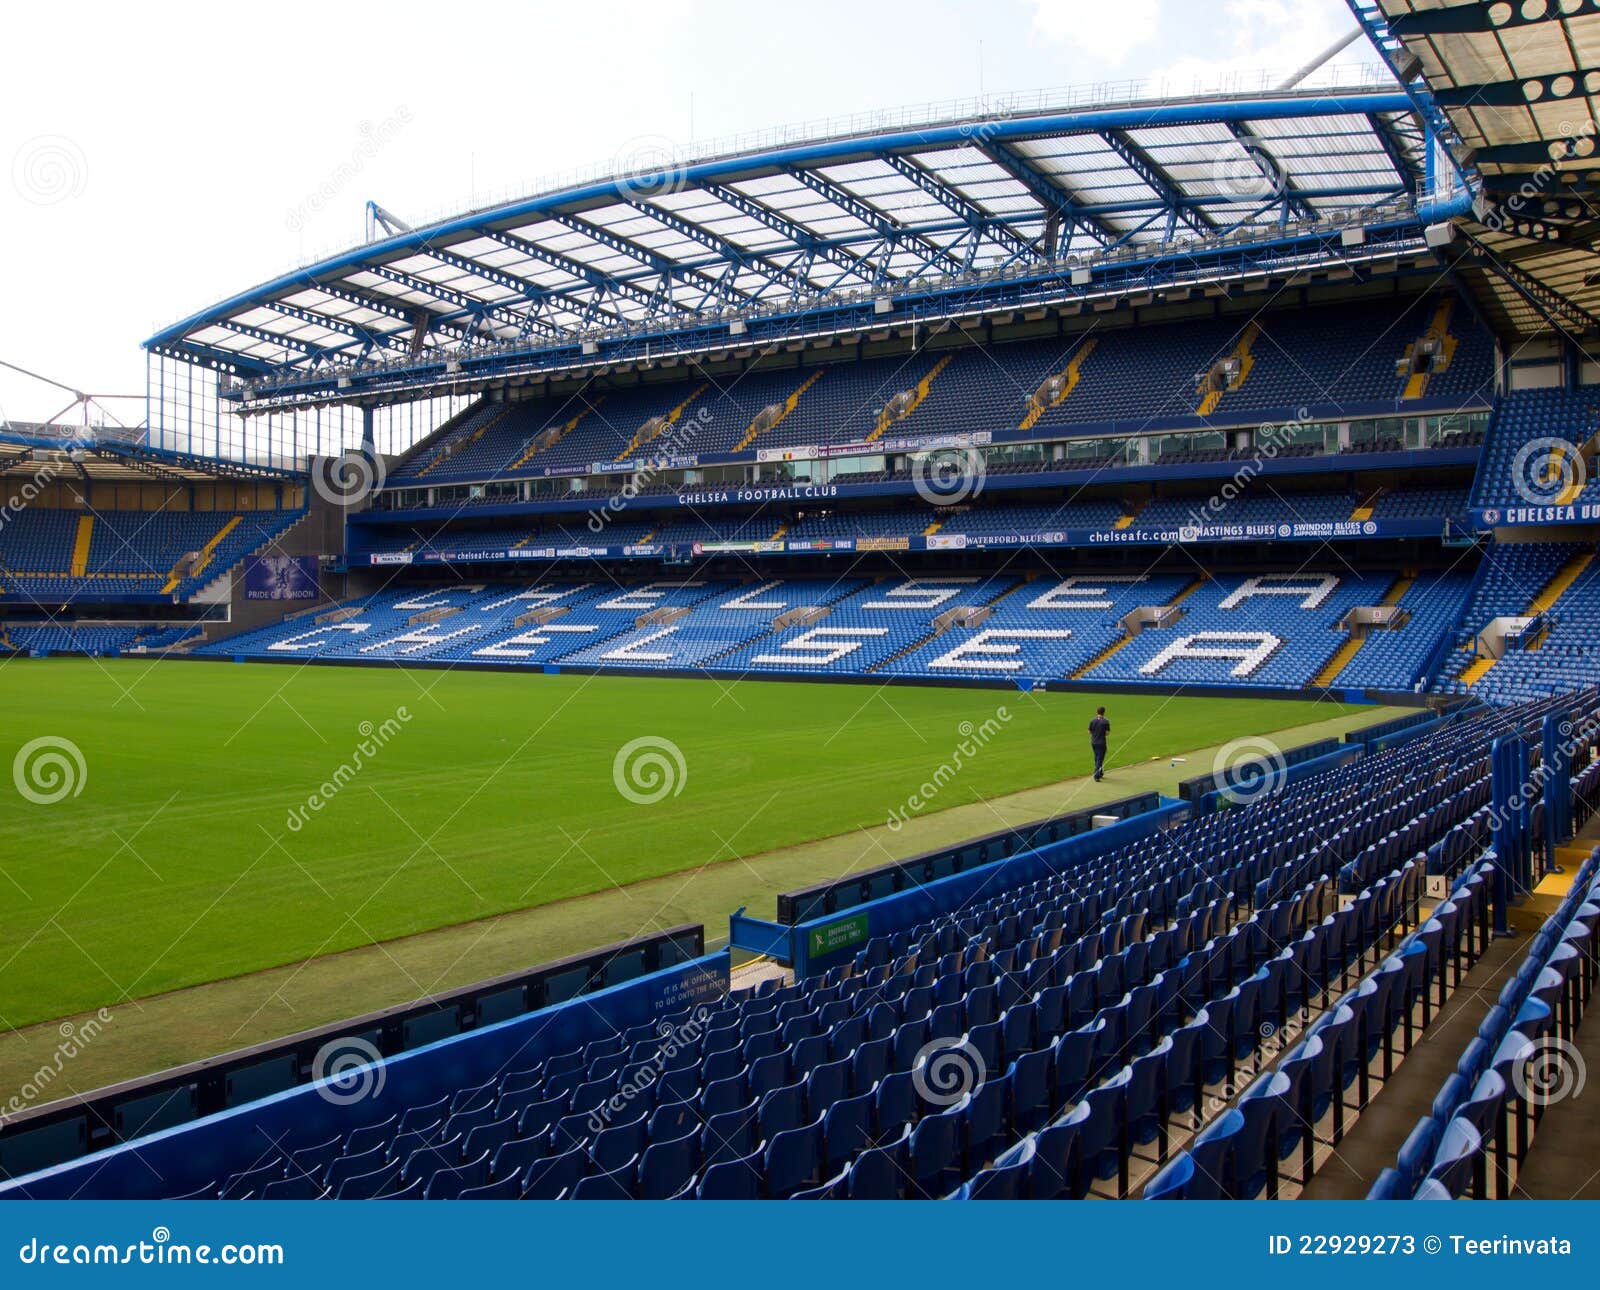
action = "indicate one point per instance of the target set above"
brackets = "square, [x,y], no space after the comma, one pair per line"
[158,165]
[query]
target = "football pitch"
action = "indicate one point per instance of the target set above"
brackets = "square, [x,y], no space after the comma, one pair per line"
[168,824]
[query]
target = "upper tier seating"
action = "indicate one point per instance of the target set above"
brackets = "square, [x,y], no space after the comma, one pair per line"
[129,552]
[1522,418]
[1342,355]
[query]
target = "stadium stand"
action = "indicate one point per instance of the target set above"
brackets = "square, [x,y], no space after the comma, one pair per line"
[1512,474]
[1344,356]
[1107,1008]
[59,555]
[1273,630]
[1486,1114]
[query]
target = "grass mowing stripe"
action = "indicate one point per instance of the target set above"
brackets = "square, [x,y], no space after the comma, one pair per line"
[178,864]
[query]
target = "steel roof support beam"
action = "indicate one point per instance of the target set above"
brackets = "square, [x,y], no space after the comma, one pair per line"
[1055,199]
[1554,88]
[1274,173]
[1387,40]
[311,352]
[840,256]
[978,220]
[532,292]
[391,308]
[1471,19]
[1551,305]
[1160,183]
[369,339]
[673,272]
[887,228]
[599,283]
[464,305]
[1393,144]
[724,249]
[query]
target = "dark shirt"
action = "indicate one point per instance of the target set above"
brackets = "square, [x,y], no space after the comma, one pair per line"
[1099,728]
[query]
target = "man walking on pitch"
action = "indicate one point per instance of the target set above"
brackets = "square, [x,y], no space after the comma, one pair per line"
[1099,728]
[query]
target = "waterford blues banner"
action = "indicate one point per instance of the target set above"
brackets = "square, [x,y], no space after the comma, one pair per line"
[280,577]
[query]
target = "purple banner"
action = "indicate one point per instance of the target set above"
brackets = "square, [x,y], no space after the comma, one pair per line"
[280,577]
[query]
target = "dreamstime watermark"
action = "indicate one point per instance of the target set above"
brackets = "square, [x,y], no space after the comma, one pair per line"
[948,476]
[1249,174]
[348,479]
[649,769]
[663,449]
[650,165]
[1249,770]
[674,1040]
[348,1070]
[374,138]
[947,1070]
[75,1037]
[1573,141]
[1272,1042]
[374,738]
[974,739]
[1552,1072]
[49,769]
[159,1251]
[25,496]
[49,169]
[1546,468]
[1269,440]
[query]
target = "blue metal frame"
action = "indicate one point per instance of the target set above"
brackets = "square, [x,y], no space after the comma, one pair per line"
[910,257]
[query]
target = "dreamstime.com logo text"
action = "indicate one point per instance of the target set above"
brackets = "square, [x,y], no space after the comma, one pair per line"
[159,1251]
[373,740]
[973,741]
[75,1037]
[374,138]
[674,1039]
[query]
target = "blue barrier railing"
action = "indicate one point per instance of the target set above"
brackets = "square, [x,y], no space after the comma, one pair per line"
[819,943]
[837,894]
[71,1127]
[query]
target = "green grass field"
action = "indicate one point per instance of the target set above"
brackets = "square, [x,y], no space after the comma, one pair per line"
[177,863]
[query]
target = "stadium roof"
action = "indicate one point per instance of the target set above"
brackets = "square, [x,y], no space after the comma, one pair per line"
[1049,193]
[113,455]
[1517,86]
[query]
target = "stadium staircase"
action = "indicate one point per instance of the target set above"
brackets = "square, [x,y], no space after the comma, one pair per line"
[1241,352]
[1127,637]
[1363,512]
[80,546]
[657,426]
[185,568]
[761,422]
[457,446]
[539,443]
[1542,603]
[1129,516]
[1346,652]
[938,628]
[898,411]
[1417,382]
[1068,377]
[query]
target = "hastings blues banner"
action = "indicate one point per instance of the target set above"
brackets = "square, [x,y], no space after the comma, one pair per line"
[280,577]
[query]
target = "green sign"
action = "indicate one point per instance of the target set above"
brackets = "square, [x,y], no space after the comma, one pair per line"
[837,936]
